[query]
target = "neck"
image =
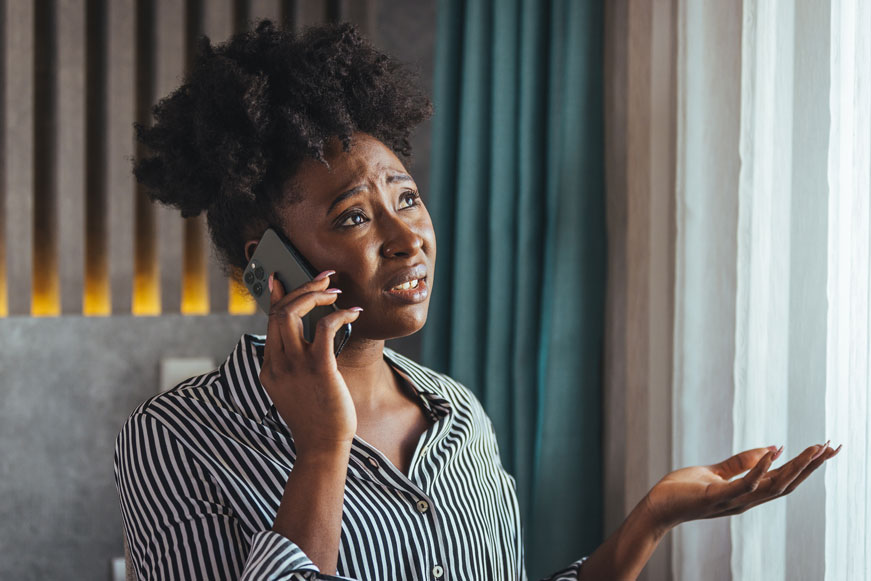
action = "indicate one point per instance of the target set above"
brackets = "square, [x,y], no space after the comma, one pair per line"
[366,374]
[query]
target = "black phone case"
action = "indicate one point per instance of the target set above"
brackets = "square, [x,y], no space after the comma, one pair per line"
[275,254]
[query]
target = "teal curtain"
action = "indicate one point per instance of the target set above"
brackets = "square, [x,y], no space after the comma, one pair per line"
[517,198]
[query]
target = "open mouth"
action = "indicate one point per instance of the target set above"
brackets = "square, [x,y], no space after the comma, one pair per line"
[407,285]
[409,291]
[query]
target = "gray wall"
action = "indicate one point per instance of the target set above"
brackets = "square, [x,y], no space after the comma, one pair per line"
[67,383]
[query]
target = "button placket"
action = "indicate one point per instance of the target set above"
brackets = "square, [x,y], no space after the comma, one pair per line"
[422,506]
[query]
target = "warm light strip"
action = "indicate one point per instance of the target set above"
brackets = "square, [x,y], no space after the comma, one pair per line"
[146,294]
[97,299]
[4,297]
[240,301]
[46,294]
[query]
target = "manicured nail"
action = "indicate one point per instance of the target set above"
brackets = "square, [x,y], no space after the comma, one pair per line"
[270,282]
[838,449]
[820,451]
[777,454]
[325,274]
[356,309]
[334,291]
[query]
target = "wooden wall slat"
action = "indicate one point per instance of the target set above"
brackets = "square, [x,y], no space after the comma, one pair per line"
[265,9]
[169,70]
[70,135]
[119,149]
[4,297]
[362,13]
[146,273]
[45,277]
[309,12]
[218,25]
[97,293]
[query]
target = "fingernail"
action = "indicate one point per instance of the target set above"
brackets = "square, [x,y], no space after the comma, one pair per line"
[356,309]
[334,291]
[270,282]
[838,449]
[819,453]
[777,454]
[325,274]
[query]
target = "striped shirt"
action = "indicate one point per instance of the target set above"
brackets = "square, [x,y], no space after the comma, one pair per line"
[201,471]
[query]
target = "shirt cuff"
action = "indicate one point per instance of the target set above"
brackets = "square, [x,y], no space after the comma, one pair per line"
[274,557]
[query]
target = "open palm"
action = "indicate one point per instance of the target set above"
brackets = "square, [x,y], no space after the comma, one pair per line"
[700,492]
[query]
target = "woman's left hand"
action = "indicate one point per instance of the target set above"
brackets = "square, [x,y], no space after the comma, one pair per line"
[702,492]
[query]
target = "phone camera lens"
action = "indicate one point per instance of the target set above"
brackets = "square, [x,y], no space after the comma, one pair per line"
[249,277]
[259,273]
[258,289]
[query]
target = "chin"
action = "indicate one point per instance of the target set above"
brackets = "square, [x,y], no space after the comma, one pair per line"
[386,327]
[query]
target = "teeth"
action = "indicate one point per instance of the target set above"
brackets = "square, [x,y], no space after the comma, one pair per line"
[407,285]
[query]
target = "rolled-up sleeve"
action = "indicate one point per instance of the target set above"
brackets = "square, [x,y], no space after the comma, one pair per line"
[177,521]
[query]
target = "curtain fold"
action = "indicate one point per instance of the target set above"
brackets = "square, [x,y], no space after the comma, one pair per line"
[517,197]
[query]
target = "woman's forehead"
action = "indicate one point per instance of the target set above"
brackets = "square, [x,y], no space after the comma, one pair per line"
[368,160]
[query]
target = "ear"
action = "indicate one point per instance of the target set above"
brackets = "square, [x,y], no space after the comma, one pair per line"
[250,247]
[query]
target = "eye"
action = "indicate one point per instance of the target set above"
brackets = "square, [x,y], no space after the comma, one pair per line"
[352,219]
[408,199]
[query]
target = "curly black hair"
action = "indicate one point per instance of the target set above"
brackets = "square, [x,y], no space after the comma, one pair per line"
[253,108]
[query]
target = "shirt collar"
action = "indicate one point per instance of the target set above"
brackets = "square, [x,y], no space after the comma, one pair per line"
[241,371]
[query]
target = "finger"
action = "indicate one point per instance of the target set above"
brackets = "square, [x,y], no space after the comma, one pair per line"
[274,343]
[776,482]
[326,332]
[827,454]
[319,283]
[731,467]
[750,481]
[289,316]
[781,478]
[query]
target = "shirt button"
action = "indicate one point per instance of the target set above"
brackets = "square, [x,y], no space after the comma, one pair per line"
[422,506]
[437,572]
[373,463]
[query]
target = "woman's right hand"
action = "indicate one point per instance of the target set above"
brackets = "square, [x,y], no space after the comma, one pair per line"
[302,377]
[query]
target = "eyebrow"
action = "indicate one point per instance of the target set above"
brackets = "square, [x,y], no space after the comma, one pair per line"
[391,179]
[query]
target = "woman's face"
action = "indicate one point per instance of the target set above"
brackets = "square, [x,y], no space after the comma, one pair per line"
[363,218]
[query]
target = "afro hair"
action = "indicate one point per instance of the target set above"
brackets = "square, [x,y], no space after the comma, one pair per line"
[252,109]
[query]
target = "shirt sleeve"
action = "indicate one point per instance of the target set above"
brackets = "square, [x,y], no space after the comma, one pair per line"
[570,573]
[178,523]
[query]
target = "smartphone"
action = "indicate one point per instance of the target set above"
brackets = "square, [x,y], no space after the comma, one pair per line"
[275,254]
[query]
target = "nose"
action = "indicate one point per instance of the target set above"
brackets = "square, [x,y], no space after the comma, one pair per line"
[401,240]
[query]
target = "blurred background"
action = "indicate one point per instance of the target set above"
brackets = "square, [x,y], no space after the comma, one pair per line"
[654,237]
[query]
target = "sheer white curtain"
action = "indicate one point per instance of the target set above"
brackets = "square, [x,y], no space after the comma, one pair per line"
[848,406]
[772,250]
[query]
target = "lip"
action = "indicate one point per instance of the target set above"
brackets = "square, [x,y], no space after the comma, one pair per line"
[412,295]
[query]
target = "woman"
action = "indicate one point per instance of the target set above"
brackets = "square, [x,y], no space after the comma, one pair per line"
[289,462]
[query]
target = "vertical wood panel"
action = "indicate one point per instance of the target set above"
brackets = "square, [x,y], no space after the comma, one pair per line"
[310,12]
[19,160]
[96,299]
[120,114]
[218,24]
[362,13]
[44,274]
[169,69]
[265,9]
[70,135]
[146,274]
[4,305]
[289,14]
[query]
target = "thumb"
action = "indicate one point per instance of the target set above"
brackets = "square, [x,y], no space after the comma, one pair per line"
[742,462]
